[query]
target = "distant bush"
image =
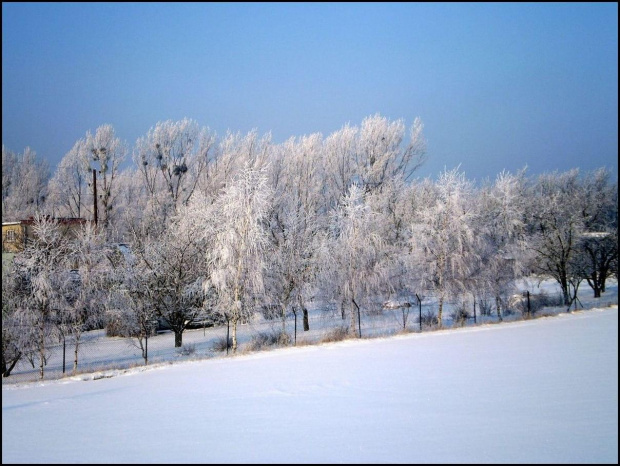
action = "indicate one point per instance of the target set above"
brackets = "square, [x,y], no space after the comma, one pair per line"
[220,344]
[460,315]
[188,349]
[270,311]
[537,302]
[545,300]
[336,334]
[485,306]
[429,319]
[118,324]
[269,338]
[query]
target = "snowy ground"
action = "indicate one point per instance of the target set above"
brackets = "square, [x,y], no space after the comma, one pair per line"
[535,391]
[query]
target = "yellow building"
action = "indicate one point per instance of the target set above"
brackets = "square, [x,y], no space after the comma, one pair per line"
[16,234]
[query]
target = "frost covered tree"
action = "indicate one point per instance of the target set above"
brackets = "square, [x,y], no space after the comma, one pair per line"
[169,274]
[41,271]
[171,159]
[502,249]
[68,186]
[296,178]
[380,156]
[442,238]
[24,184]
[598,244]
[103,152]
[130,311]
[234,153]
[392,204]
[132,206]
[86,285]
[17,337]
[555,227]
[354,263]
[236,224]
[339,152]
[372,155]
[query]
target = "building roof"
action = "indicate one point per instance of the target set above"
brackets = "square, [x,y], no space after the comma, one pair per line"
[61,220]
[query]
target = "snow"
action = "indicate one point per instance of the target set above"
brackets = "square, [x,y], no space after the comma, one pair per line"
[533,391]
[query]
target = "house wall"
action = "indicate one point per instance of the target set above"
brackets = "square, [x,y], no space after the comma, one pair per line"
[13,237]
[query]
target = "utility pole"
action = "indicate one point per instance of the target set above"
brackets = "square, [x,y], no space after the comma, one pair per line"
[95,193]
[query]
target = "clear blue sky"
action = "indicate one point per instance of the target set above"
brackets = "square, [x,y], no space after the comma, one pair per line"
[498,86]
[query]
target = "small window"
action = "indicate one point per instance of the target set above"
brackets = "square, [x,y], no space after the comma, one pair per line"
[10,236]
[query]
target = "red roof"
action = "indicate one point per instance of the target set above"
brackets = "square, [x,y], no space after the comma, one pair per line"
[61,220]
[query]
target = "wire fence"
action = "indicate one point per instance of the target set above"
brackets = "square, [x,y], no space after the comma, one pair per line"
[97,352]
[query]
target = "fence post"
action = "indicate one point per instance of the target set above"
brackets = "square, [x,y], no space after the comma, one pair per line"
[420,309]
[64,347]
[475,311]
[359,319]
[529,309]
[227,333]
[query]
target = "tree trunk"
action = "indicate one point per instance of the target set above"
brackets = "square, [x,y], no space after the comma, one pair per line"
[440,312]
[234,335]
[596,284]
[565,291]
[305,311]
[75,355]
[7,371]
[178,339]
[283,318]
[498,306]
[354,322]
[42,348]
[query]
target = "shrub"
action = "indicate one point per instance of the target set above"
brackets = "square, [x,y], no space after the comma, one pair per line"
[270,311]
[336,334]
[485,306]
[188,349]
[460,315]
[220,344]
[269,338]
[429,319]
[539,301]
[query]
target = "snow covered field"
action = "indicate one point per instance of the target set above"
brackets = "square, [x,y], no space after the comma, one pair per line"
[535,391]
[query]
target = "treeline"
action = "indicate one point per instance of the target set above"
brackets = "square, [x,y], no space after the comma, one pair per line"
[226,227]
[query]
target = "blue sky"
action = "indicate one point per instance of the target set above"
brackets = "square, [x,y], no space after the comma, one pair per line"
[498,86]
